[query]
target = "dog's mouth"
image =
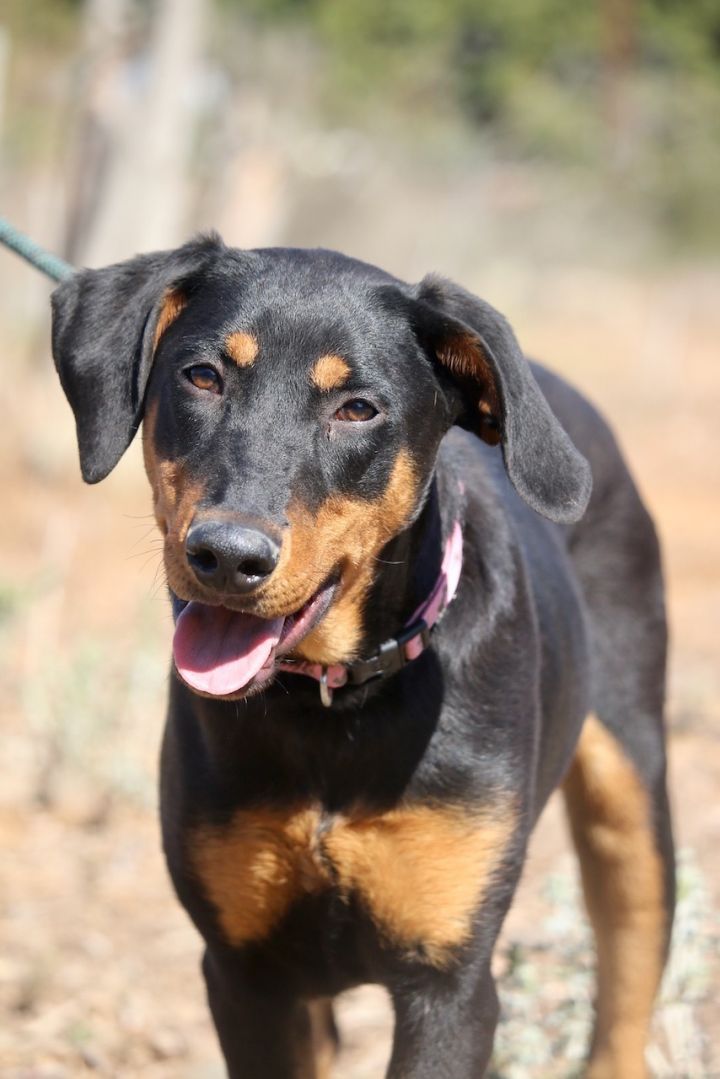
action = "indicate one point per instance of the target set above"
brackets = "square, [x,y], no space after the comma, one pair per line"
[224,653]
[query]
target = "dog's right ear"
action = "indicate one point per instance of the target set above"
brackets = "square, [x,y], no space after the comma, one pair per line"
[105,326]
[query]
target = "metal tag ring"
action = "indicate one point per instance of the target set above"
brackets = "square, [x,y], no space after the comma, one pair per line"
[326,693]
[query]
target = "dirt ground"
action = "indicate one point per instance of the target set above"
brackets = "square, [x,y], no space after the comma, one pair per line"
[98,964]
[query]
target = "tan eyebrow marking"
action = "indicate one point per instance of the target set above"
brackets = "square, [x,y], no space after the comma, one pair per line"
[242,348]
[330,372]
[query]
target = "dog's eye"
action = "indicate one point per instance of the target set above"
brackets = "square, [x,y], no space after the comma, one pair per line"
[204,377]
[358,411]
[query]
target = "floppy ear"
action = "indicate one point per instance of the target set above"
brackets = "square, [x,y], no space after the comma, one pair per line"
[502,401]
[105,325]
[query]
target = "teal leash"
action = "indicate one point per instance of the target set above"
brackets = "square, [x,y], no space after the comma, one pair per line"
[42,260]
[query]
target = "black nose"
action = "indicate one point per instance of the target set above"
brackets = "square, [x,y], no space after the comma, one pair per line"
[229,558]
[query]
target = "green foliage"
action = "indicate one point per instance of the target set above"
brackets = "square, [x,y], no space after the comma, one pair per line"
[537,79]
[478,53]
[520,79]
[45,22]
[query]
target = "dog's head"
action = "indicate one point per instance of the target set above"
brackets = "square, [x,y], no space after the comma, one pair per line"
[293,405]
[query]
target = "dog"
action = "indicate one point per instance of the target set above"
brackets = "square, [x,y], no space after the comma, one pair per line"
[415,591]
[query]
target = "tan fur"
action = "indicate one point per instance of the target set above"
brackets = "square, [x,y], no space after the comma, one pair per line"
[611,819]
[324,1041]
[242,348]
[465,357]
[314,1046]
[330,372]
[174,505]
[346,534]
[420,871]
[254,869]
[173,303]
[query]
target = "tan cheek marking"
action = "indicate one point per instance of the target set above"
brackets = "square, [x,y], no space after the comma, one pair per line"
[152,464]
[421,872]
[346,531]
[242,348]
[175,500]
[611,818]
[330,372]
[357,531]
[172,304]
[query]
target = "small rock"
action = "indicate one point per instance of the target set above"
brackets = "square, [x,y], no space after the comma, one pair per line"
[167,1043]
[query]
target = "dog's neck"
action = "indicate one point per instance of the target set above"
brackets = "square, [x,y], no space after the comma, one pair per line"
[408,567]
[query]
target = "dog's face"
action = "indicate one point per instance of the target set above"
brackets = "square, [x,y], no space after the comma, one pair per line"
[294,403]
[287,437]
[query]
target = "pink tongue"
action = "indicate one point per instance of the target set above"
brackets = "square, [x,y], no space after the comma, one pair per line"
[219,651]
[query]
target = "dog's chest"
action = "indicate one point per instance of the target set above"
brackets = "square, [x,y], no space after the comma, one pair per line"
[420,872]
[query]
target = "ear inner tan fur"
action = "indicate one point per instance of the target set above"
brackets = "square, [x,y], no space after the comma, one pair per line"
[464,357]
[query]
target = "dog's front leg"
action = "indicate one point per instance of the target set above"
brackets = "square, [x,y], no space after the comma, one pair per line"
[263,1033]
[444,1026]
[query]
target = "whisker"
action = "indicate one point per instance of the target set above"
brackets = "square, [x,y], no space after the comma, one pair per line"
[158,583]
[149,556]
[156,549]
[144,535]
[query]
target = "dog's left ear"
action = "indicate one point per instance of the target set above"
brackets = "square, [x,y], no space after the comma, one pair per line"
[502,402]
[105,325]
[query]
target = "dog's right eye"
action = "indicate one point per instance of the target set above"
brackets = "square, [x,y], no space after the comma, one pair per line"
[204,377]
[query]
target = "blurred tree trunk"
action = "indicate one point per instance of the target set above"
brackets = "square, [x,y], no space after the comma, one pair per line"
[104,54]
[619,45]
[4,63]
[129,178]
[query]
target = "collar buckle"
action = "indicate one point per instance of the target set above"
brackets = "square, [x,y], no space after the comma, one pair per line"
[390,657]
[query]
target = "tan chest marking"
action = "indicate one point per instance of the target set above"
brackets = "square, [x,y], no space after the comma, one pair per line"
[421,872]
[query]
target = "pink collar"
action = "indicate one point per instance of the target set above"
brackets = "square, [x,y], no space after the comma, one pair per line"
[410,643]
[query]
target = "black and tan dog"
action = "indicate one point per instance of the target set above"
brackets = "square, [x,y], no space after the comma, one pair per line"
[352,763]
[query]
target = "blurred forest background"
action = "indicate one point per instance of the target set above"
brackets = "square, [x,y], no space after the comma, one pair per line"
[560,158]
